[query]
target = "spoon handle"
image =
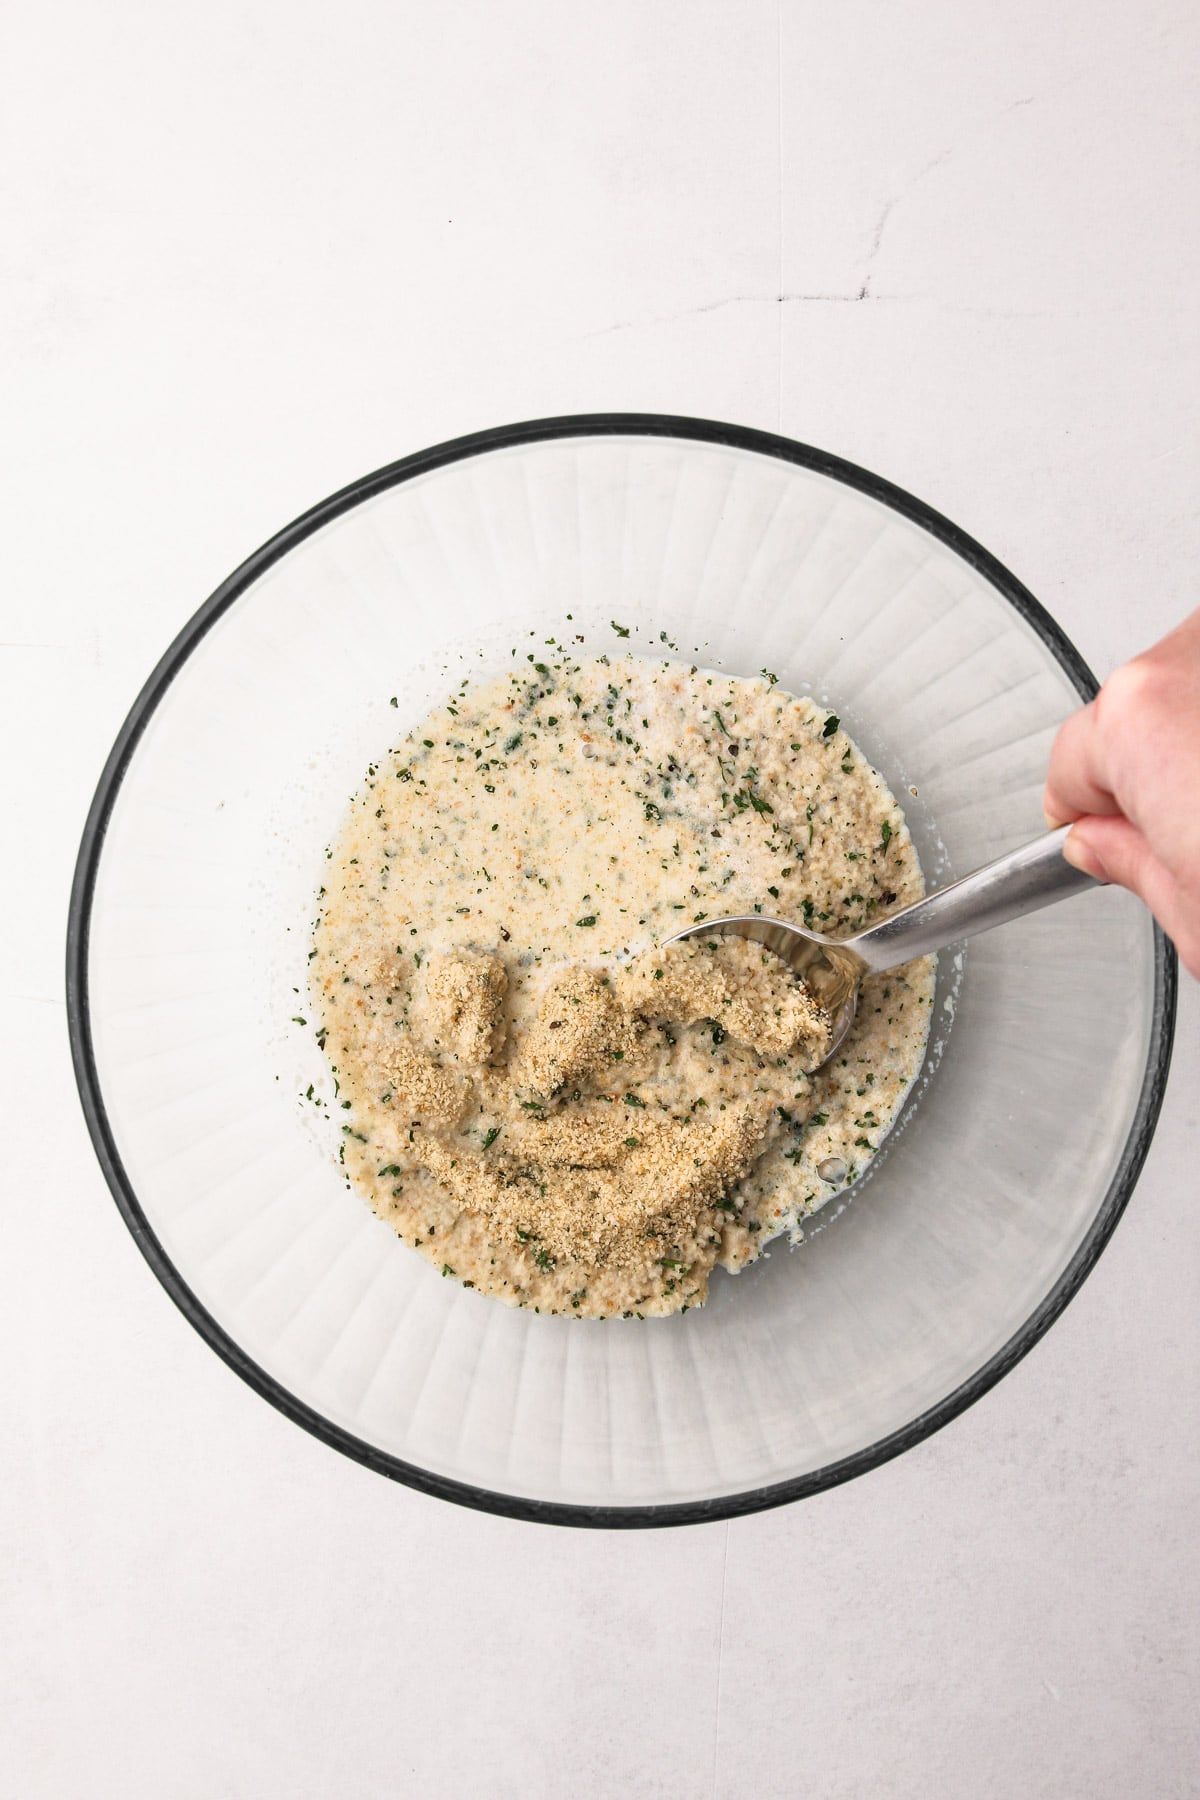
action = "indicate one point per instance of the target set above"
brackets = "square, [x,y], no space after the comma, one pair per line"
[1033,876]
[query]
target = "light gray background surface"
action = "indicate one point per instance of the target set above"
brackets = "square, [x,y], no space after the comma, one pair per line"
[249,251]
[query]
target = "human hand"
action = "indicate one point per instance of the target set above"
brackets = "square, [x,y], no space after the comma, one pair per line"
[1126,770]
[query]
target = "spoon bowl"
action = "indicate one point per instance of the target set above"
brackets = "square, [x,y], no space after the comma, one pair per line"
[832,969]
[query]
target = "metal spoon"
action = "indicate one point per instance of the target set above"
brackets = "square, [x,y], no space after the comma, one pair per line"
[1033,876]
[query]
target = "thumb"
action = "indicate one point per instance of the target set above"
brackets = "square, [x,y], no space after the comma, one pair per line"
[1112,849]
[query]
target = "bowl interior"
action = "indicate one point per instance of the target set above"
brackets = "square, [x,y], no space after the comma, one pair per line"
[1012,1156]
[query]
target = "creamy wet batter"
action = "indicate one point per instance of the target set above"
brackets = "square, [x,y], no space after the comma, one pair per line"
[537,1096]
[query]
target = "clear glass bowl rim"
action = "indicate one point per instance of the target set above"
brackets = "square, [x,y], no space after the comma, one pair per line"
[622,424]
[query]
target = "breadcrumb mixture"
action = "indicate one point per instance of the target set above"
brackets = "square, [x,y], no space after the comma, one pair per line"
[541,1097]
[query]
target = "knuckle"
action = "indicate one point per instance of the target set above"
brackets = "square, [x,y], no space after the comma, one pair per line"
[1122,691]
[1137,690]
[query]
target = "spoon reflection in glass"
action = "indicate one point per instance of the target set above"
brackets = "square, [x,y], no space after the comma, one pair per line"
[833,969]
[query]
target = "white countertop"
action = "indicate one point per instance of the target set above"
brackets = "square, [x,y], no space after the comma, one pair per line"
[252,251]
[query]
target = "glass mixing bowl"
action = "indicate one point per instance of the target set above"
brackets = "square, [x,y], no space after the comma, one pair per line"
[189,936]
